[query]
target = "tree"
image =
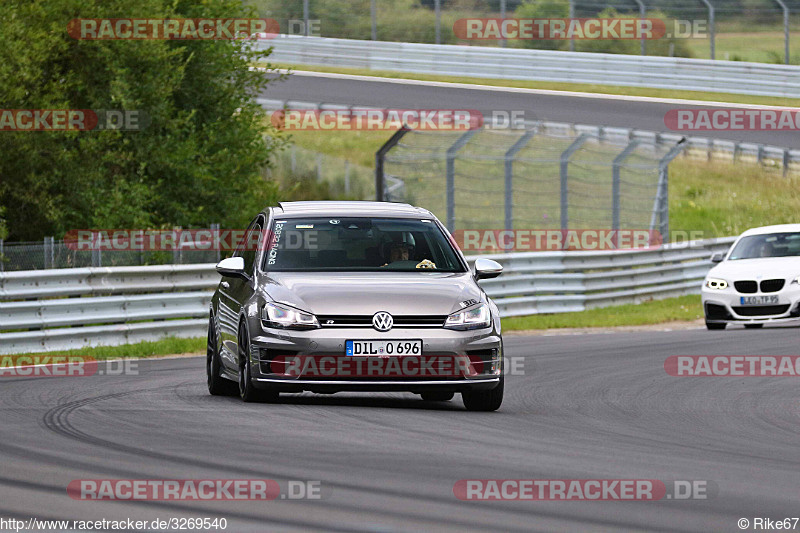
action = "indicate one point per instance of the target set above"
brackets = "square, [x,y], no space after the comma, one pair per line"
[197,161]
[544,9]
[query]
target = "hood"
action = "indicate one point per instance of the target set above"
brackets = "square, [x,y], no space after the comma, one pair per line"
[366,293]
[756,269]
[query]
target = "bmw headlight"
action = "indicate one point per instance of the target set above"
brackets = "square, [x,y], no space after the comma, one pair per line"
[282,316]
[796,280]
[472,318]
[716,283]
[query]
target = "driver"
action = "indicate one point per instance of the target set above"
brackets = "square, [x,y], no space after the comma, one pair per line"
[399,249]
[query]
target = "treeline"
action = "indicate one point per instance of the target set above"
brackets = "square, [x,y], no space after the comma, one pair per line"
[200,157]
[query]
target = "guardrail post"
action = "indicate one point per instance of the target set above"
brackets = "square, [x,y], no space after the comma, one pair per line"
[711,24]
[379,157]
[509,177]
[661,203]
[615,168]
[451,177]
[565,155]
[785,29]
[437,5]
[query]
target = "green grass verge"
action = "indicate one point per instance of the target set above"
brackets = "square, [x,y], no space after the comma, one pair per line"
[558,86]
[683,308]
[167,346]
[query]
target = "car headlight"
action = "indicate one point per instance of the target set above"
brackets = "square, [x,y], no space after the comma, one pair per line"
[282,316]
[473,318]
[716,283]
[796,280]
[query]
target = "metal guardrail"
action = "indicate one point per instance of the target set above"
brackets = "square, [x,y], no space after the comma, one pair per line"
[37,313]
[540,65]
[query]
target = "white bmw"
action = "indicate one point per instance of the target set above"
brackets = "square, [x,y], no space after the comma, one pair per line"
[757,282]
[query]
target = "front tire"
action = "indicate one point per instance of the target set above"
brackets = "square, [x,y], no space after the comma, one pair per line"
[486,400]
[217,385]
[715,325]
[247,392]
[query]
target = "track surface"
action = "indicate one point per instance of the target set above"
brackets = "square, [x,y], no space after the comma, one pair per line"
[588,406]
[560,108]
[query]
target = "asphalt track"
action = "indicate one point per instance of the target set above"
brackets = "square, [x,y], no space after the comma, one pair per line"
[584,407]
[597,110]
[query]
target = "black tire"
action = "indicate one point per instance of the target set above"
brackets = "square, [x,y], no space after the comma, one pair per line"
[217,385]
[247,392]
[437,396]
[487,400]
[715,325]
[754,326]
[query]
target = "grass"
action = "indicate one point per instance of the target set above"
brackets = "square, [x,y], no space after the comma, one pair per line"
[167,346]
[559,86]
[736,42]
[682,308]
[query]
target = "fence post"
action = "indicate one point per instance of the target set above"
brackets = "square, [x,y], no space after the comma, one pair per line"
[451,177]
[565,155]
[49,252]
[503,16]
[615,189]
[305,18]
[216,240]
[711,26]
[509,177]
[572,16]
[2,257]
[437,4]
[642,15]
[785,166]
[373,15]
[661,203]
[379,157]
[785,29]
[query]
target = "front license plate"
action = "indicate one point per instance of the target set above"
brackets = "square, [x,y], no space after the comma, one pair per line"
[383,348]
[758,300]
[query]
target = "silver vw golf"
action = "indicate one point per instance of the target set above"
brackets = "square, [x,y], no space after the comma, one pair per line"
[354,296]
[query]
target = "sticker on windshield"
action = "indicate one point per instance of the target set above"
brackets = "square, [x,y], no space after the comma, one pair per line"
[304,226]
[334,221]
[276,240]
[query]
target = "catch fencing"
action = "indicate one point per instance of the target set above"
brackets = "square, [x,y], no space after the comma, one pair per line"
[73,308]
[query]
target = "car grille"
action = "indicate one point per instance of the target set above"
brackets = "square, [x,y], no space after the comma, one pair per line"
[365,321]
[772,285]
[761,310]
[746,286]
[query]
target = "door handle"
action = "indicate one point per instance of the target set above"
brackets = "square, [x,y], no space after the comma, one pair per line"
[225,285]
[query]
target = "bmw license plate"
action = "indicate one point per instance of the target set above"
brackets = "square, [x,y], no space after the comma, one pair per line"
[758,300]
[383,348]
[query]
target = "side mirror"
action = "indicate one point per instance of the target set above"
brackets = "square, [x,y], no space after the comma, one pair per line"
[487,269]
[718,257]
[232,267]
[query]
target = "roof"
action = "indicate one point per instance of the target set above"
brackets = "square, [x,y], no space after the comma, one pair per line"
[350,208]
[780,228]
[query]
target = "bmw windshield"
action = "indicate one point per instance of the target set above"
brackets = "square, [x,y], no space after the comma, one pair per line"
[359,244]
[768,245]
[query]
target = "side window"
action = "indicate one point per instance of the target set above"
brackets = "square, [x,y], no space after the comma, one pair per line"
[248,248]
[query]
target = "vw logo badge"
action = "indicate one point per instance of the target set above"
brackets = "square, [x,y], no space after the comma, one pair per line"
[382,321]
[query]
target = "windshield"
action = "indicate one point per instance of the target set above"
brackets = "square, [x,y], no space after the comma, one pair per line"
[359,244]
[768,245]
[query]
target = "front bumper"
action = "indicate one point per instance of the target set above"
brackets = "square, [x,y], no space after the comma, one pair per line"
[271,349]
[724,306]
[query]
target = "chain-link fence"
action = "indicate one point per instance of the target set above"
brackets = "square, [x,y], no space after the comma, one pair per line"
[744,30]
[544,177]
